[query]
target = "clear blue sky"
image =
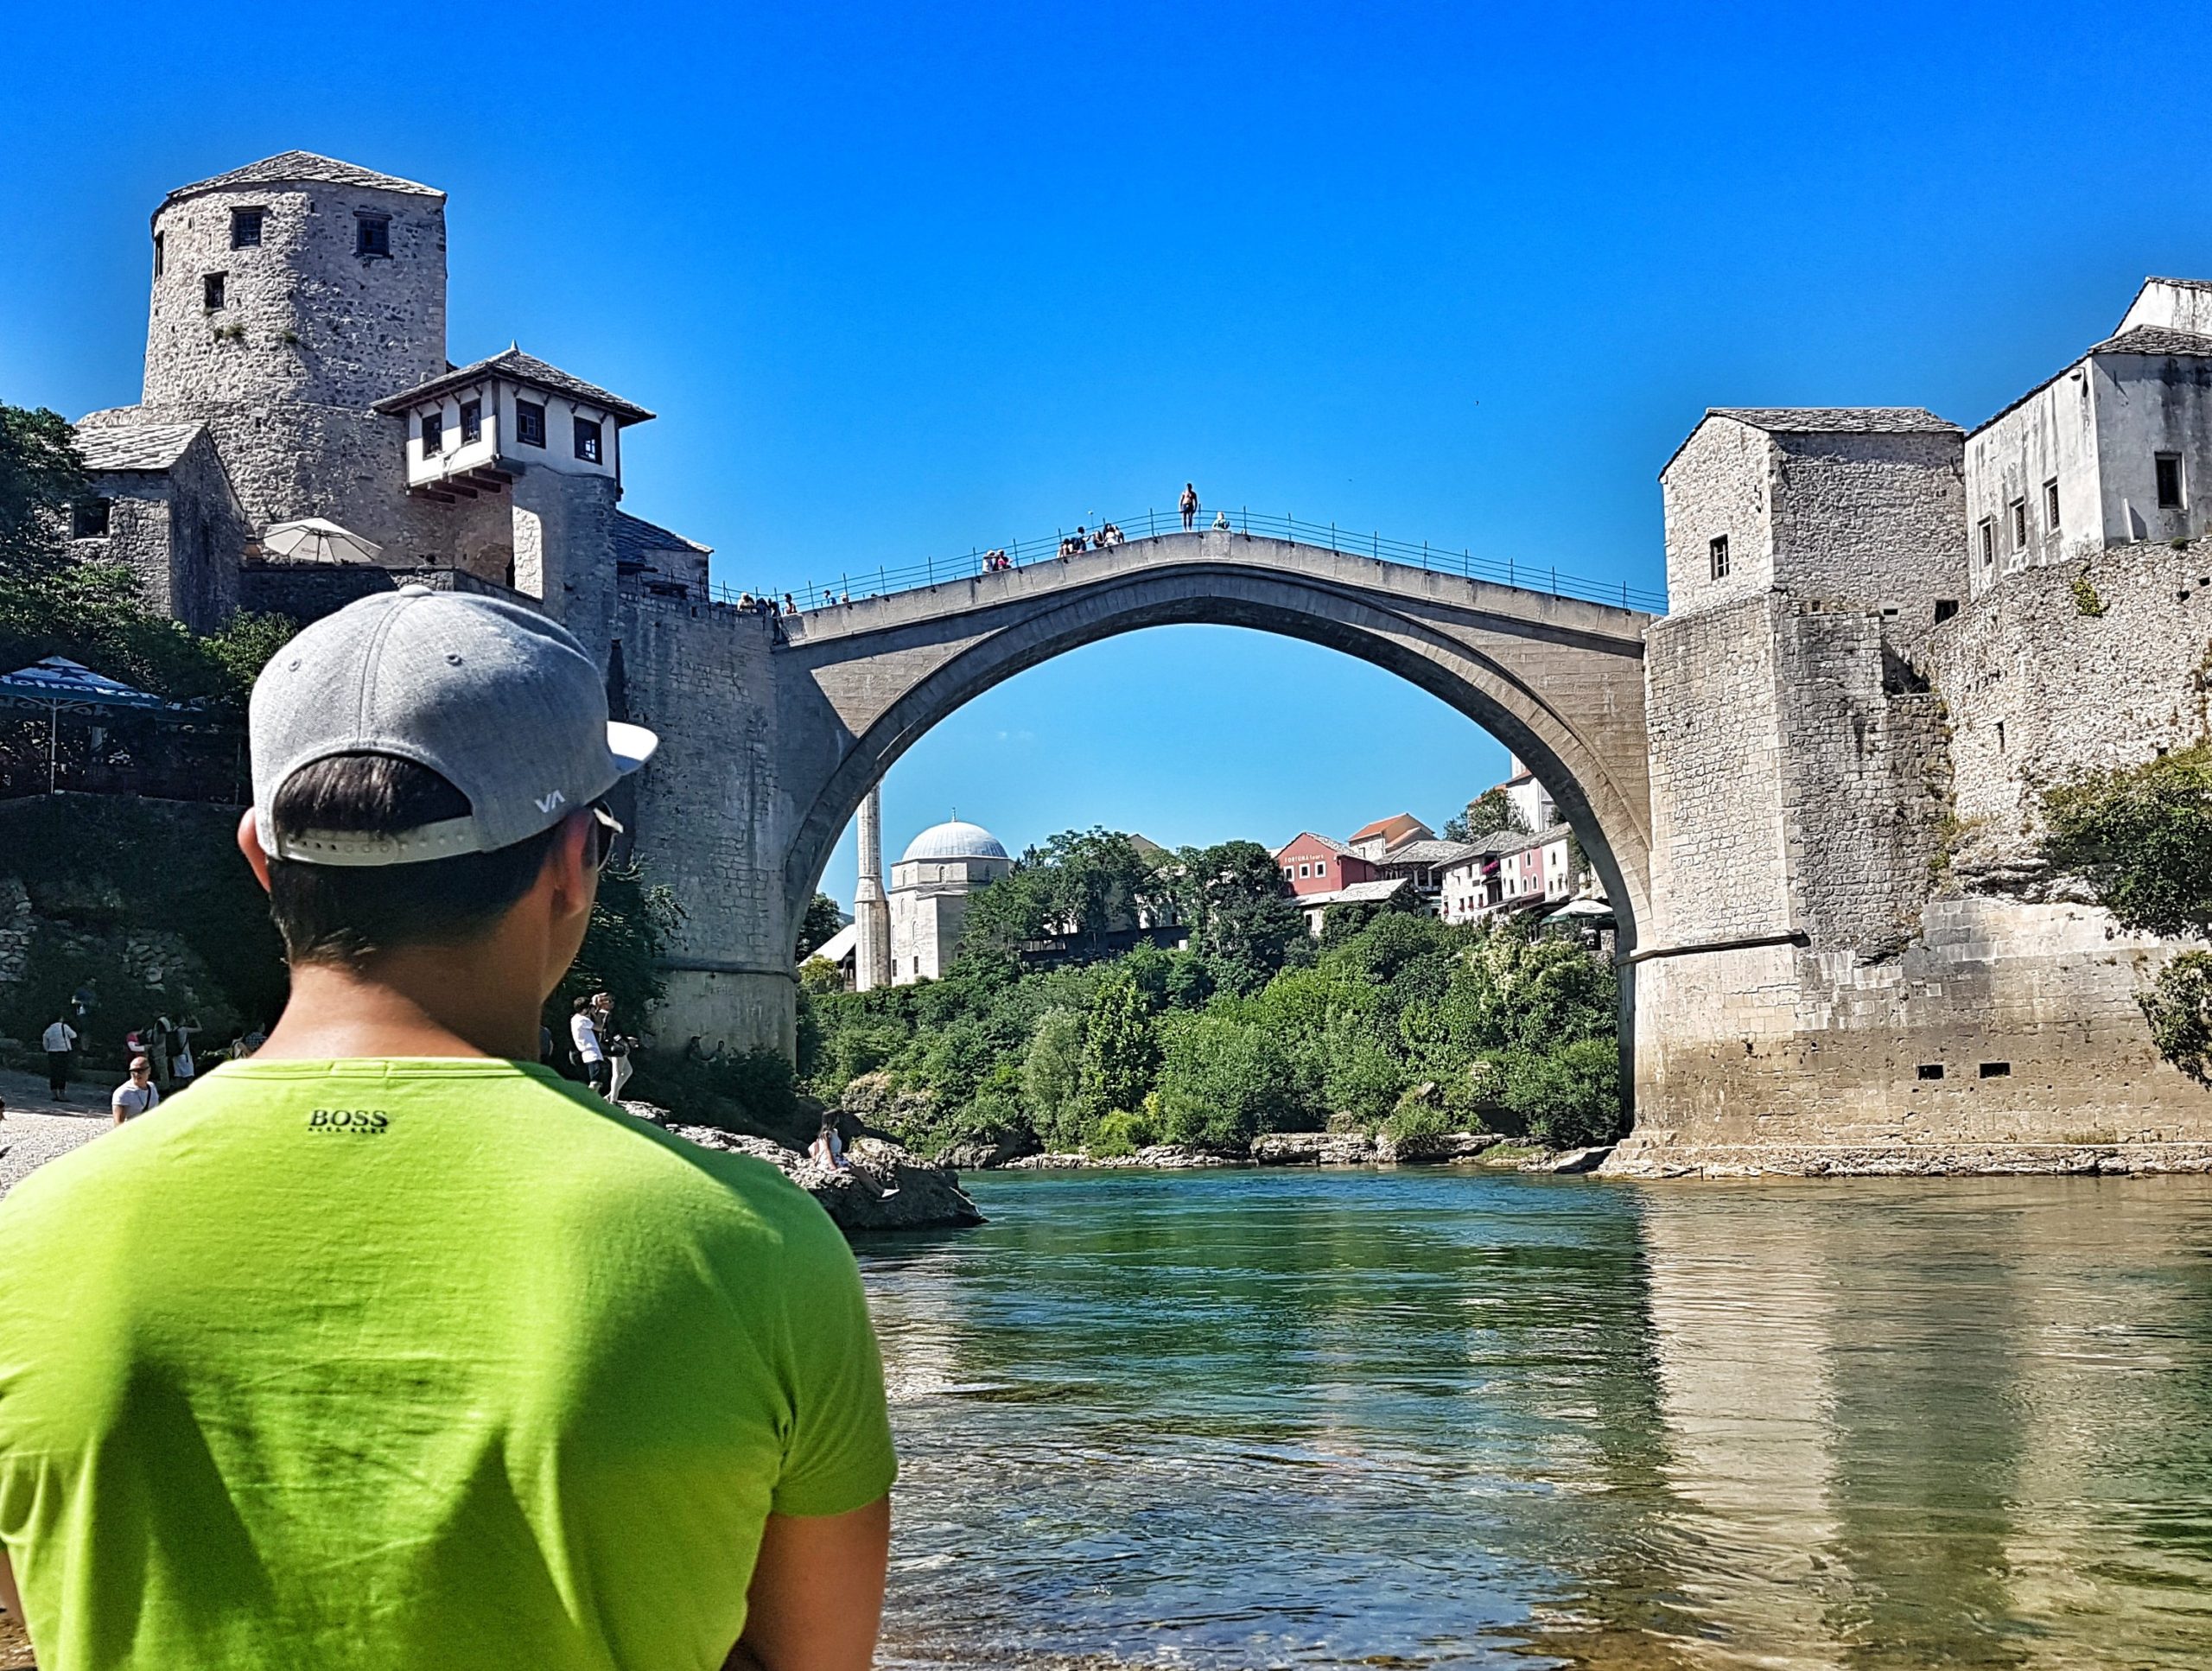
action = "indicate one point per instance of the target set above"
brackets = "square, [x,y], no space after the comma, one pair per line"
[904,282]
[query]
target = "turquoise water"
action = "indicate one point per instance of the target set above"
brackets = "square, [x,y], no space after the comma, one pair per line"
[1451,1419]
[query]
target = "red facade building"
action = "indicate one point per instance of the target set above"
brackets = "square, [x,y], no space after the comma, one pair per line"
[1321,864]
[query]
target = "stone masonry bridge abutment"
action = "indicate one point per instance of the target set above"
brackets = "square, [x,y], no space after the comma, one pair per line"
[772,746]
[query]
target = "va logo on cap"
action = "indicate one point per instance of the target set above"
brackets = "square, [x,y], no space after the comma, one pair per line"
[546,803]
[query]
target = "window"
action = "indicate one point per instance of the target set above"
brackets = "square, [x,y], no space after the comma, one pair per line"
[1305,870]
[2000,736]
[372,234]
[1945,608]
[1988,542]
[88,520]
[1719,548]
[211,291]
[1320,867]
[157,254]
[2050,505]
[434,434]
[529,423]
[472,422]
[2020,525]
[245,229]
[587,440]
[1996,1070]
[1932,1070]
[2169,482]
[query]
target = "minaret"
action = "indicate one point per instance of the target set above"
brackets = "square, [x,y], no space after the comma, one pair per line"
[871,954]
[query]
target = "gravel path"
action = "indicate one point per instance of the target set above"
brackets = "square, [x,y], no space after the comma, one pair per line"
[36,1129]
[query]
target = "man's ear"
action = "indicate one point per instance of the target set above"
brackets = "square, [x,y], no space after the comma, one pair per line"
[575,883]
[249,844]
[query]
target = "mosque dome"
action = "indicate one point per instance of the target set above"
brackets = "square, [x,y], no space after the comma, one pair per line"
[954,840]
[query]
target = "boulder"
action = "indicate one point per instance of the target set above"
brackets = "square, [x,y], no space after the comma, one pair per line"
[1569,1160]
[1057,1160]
[1169,1157]
[882,1187]
[1312,1148]
[1437,1149]
[975,1153]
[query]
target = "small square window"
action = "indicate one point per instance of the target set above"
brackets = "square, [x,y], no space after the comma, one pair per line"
[211,291]
[1988,542]
[245,229]
[158,262]
[1717,550]
[1932,1070]
[88,520]
[1945,608]
[529,423]
[2020,525]
[2050,505]
[1320,867]
[434,434]
[1996,1070]
[587,440]
[372,234]
[2169,482]
[472,422]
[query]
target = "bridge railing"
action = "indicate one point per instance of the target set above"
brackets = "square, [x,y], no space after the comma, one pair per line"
[1508,570]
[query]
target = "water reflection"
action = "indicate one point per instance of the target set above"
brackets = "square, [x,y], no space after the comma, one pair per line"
[1254,1420]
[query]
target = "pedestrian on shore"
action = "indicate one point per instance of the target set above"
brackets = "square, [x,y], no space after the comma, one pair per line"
[583,1045]
[60,1042]
[182,1068]
[595,1396]
[1189,502]
[137,1094]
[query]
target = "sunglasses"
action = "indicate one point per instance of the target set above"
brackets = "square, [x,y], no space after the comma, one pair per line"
[604,827]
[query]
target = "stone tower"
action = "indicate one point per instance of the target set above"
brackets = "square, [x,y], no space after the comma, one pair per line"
[288,297]
[872,953]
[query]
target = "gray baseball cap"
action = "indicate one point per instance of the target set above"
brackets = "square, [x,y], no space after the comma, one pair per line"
[499,701]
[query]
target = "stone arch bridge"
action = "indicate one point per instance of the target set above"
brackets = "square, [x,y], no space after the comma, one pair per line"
[776,728]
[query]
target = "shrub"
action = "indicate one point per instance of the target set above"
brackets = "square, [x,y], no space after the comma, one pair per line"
[1417,1115]
[1569,1098]
[2179,1006]
[1223,1082]
[1122,1133]
[2142,838]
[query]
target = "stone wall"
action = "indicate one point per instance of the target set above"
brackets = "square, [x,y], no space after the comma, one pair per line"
[304,320]
[2040,687]
[1711,692]
[1721,482]
[1871,522]
[711,817]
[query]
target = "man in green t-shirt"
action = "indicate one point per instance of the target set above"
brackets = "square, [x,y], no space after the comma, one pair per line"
[387,1349]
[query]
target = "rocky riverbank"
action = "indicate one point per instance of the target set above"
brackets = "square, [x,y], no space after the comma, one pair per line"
[1656,1156]
[1318,1149]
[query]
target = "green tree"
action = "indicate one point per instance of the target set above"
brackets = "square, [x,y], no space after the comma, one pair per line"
[1490,813]
[1222,1081]
[1569,1097]
[2141,837]
[819,926]
[1052,1075]
[1119,1053]
[624,943]
[42,475]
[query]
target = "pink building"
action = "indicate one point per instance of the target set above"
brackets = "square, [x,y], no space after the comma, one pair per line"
[1321,864]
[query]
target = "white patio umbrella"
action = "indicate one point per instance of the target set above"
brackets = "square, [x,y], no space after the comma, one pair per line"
[317,539]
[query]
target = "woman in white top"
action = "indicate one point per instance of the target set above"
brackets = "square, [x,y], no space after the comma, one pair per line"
[135,1094]
[584,1039]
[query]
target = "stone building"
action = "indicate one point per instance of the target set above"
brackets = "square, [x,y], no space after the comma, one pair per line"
[2115,448]
[295,367]
[930,887]
[1854,702]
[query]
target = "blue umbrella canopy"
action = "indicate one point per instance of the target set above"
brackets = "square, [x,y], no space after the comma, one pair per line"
[57,683]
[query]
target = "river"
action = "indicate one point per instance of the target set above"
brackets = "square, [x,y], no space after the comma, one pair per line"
[1430,1418]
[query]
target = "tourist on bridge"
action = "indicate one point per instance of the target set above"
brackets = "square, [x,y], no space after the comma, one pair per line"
[60,1043]
[1221,522]
[1190,504]
[428,1358]
[135,1095]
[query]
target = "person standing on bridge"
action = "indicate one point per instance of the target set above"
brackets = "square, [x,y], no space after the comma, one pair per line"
[429,1358]
[1190,504]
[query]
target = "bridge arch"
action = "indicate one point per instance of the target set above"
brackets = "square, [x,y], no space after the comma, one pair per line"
[1558,680]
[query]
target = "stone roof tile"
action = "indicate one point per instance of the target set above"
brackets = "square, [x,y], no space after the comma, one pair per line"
[150,446]
[301,167]
[1839,420]
[2155,340]
[634,537]
[519,367]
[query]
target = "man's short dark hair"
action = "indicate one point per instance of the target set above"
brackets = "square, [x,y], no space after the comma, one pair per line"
[347,914]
